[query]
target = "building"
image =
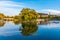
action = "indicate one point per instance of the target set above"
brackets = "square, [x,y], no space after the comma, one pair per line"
[42,15]
[7,18]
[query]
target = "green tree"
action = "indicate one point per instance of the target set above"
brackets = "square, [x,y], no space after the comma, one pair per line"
[2,15]
[28,14]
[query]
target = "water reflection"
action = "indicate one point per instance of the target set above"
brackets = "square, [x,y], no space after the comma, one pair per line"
[29,31]
[2,23]
[16,22]
[29,28]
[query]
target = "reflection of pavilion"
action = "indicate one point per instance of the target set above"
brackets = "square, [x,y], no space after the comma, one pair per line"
[28,29]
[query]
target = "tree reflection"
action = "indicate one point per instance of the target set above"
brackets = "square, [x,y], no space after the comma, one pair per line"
[29,28]
[2,23]
[16,22]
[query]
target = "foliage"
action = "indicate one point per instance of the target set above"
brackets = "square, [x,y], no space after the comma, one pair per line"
[16,22]
[1,15]
[28,14]
[17,18]
[2,23]
[28,28]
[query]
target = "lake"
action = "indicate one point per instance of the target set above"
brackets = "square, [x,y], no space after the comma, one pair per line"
[30,31]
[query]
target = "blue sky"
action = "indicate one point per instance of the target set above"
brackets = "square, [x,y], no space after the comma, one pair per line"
[13,7]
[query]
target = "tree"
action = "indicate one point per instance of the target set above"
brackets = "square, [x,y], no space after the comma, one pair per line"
[1,15]
[17,18]
[28,14]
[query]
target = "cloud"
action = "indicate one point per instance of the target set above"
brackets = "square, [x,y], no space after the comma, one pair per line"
[51,11]
[10,3]
[48,10]
[10,8]
[9,11]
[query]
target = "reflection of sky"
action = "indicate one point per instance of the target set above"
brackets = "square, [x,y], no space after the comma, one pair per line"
[51,25]
[9,29]
[49,31]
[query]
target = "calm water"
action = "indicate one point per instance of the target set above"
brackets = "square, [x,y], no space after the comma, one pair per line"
[16,31]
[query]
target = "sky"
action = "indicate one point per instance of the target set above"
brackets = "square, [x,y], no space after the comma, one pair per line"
[13,7]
